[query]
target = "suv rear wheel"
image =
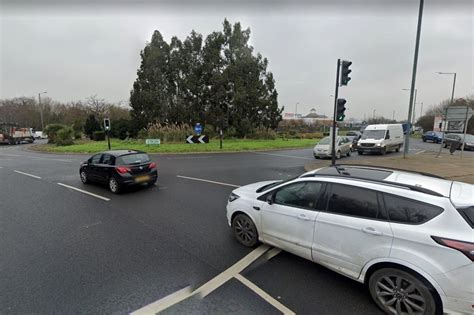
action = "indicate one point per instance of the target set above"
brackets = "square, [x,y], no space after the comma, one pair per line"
[398,292]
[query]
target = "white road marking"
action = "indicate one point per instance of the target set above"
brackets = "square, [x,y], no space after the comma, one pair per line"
[27,174]
[10,154]
[165,302]
[207,181]
[84,192]
[286,156]
[40,158]
[420,152]
[264,295]
[228,274]
[272,253]
[206,288]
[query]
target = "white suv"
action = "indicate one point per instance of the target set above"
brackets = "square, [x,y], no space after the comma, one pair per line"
[408,236]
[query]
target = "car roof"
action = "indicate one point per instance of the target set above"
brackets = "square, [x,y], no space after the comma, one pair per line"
[118,153]
[418,181]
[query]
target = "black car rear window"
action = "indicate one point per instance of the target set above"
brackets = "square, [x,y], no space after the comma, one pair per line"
[128,159]
[468,215]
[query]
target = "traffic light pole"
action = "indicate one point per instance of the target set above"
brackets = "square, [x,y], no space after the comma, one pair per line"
[336,94]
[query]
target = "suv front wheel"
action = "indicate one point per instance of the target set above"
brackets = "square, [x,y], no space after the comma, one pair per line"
[398,292]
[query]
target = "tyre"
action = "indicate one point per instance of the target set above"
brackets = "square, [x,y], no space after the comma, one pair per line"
[424,139]
[244,230]
[315,156]
[383,151]
[348,153]
[396,291]
[397,149]
[151,184]
[114,186]
[360,152]
[445,145]
[84,178]
[338,155]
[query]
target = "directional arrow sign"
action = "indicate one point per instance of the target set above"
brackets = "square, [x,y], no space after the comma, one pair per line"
[197,139]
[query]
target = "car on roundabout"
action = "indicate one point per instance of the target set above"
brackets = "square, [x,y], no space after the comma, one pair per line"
[119,169]
[323,148]
[407,235]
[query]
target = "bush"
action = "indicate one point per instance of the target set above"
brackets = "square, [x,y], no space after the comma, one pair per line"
[264,134]
[52,130]
[91,125]
[64,136]
[120,129]
[98,135]
[169,133]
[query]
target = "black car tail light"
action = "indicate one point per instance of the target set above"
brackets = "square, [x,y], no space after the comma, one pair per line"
[467,248]
[122,170]
[152,165]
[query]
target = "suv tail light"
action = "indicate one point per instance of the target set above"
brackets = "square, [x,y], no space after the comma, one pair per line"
[122,170]
[152,165]
[467,248]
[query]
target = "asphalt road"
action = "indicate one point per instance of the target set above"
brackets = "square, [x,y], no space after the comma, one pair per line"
[63,251]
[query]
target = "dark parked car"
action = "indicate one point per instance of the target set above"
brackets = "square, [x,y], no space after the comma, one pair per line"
[119,169]
[456,139]
[434,136]
[354,136]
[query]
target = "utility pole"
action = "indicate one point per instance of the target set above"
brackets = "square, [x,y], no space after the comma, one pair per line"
[393,115]
[446,112]
[41,109]
[334,124]
[373,115]
[413,78]
[421,109]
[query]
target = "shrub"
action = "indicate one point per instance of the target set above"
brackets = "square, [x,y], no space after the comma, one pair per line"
[120,129]
[51,130]
[64,136]
[98,135]
[169,133]
[91,125]
[263,133]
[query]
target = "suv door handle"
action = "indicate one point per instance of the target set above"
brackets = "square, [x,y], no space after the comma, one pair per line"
[302,216]
[371,230]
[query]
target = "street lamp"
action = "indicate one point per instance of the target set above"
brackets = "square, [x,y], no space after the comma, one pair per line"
[414,104]
[454,83]
[41,109]
[421,108]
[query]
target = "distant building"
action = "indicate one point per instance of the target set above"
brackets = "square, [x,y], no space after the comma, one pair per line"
[292,116]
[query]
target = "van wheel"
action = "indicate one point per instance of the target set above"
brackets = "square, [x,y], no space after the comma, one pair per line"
[397,149]
[338,155]
[348,153]
[360,152]
[383,151]
[398,292]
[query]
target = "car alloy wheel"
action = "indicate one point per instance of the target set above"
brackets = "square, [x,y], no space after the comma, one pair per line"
[398,292]
[245,230]
[338,155]
[84,178]
[114,185]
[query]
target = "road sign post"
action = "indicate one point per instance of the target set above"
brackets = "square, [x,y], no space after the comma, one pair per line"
[198,129]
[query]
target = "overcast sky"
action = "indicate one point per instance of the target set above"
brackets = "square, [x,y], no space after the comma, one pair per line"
[79,49]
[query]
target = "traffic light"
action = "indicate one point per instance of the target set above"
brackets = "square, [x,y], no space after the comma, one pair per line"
[106,123]
[340,109]
[345,71]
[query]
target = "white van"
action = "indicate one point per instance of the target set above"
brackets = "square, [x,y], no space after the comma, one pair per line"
[381,139]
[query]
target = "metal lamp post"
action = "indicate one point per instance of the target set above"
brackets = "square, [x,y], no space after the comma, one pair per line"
[41,109]
[414,105]
[454,83]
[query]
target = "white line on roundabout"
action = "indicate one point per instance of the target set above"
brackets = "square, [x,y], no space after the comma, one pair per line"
[84,192]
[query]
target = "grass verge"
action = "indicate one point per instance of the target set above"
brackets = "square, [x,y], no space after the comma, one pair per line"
[231,145]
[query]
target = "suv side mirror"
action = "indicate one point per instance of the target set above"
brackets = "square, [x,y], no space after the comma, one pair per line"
[269,199]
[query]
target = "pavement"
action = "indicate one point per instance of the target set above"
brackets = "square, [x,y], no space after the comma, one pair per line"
[68,248]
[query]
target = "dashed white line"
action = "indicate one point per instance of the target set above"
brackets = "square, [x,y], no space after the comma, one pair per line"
[286,156]
[207,181]
[264,295]
[420,152]
[84,192]
[27,174]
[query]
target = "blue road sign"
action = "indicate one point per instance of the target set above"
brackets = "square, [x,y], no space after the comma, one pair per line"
[198,129]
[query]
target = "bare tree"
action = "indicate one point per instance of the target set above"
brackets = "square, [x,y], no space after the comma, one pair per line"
[97,106]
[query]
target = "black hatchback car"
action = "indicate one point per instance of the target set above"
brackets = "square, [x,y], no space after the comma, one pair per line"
[119,169]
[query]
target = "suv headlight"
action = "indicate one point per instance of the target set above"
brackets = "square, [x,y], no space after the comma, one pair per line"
[378,144]
[233,197]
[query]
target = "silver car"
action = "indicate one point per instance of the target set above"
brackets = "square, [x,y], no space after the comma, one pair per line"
[323,148]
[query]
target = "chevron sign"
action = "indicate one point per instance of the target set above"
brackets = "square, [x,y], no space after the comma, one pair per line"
[197,139]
